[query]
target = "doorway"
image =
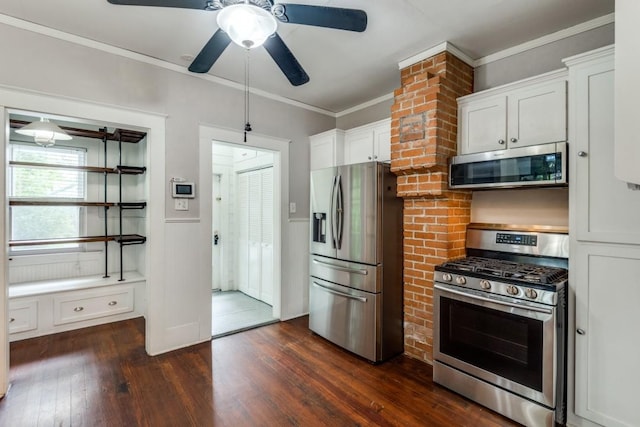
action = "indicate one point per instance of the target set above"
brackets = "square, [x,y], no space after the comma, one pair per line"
[242,223]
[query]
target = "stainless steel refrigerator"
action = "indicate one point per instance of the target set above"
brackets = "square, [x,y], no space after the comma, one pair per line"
[355,295]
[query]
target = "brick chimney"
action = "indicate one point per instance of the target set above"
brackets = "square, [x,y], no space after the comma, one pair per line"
[423,137]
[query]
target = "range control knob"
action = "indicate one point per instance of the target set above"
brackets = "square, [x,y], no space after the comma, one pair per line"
[446,277]
[531,293]
[485,284]
[512,290]
[460,280]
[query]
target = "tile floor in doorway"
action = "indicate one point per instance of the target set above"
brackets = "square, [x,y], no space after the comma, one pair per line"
[233,311]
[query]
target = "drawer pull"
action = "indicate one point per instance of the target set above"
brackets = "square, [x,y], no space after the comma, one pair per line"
[112,303]
[78,309]
[13,319]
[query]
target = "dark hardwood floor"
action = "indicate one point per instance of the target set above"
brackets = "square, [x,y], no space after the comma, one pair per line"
[277,375]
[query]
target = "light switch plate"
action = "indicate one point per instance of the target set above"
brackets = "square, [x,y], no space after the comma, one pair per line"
[292,207]
[181,204]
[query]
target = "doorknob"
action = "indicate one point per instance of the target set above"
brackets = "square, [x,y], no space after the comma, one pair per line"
[580,331]
[582,154]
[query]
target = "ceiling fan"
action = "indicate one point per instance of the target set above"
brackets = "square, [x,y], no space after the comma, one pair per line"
[252,23]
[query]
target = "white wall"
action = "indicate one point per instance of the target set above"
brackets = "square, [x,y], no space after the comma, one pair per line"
[540,59]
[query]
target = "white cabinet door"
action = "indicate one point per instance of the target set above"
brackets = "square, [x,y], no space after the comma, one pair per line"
[368,142]
[537,115]
[382,142]
[627,125]
[607,210]
[359,146]
[529,112]
[607,335]
[483,125]
[326,149]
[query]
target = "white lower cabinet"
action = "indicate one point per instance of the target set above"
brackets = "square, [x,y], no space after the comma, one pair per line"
[23,316]
[607,339]
[85,305]
[37,313]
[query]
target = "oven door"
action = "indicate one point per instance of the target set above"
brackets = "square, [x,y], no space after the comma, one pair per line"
[497,339]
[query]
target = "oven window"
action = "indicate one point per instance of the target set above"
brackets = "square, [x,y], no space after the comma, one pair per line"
[502,343]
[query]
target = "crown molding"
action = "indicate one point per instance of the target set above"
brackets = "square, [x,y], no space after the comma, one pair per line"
[442,47]
[82,41]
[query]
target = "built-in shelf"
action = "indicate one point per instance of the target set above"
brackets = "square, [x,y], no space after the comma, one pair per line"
[125,239]
[123,205]
[119,135]
[125,170]
[58,203]
[102,134]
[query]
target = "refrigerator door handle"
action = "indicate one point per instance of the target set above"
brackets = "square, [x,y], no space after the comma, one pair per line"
[341,268]
[340,211]
[342,294]
[332,213]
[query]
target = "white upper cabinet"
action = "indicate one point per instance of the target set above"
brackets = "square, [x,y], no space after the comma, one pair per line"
[627,90]
[368,142]
[326,149]
[358,145]
[529,112]
[608,209]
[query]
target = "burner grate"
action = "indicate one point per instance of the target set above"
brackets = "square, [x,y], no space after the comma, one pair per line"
[508,270]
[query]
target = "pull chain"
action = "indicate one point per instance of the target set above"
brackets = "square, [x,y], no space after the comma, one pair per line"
[247,125]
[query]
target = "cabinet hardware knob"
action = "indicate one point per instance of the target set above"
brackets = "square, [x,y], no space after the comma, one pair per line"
[514,139]
[375,157]
[13,319]
[582,154]
[369,157]
[501,141]
[78,309]
[112,303]
[580,331]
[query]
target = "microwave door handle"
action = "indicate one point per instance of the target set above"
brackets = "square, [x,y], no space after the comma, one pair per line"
[340,211]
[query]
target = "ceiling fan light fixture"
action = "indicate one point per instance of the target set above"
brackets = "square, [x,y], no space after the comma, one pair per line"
[247,25]
[44,132]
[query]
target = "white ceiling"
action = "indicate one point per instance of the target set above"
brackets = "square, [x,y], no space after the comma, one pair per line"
[346,69]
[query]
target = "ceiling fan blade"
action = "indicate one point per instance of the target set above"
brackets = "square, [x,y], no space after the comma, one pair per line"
[285,60]
[210,52]
[184,4]
[323,16]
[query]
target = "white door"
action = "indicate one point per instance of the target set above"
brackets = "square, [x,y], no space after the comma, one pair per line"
[266,261]
[216,224]
[255,234]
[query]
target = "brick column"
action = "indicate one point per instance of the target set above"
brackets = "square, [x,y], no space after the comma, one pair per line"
[423,137]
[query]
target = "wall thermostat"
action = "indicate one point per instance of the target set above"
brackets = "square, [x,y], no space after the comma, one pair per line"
[183,190]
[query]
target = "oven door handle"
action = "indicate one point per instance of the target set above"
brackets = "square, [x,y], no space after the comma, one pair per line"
[491,300]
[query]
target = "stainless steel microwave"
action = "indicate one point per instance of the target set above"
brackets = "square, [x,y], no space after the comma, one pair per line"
[536,165]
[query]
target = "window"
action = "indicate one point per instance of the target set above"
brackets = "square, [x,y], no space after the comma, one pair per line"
[46,184]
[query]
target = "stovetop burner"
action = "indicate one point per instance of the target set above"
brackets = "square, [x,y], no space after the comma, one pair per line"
[496,268]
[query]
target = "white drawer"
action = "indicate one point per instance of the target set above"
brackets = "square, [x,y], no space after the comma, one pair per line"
[23,316]
[77,306]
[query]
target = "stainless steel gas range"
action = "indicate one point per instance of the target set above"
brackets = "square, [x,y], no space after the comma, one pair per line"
[500,322]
